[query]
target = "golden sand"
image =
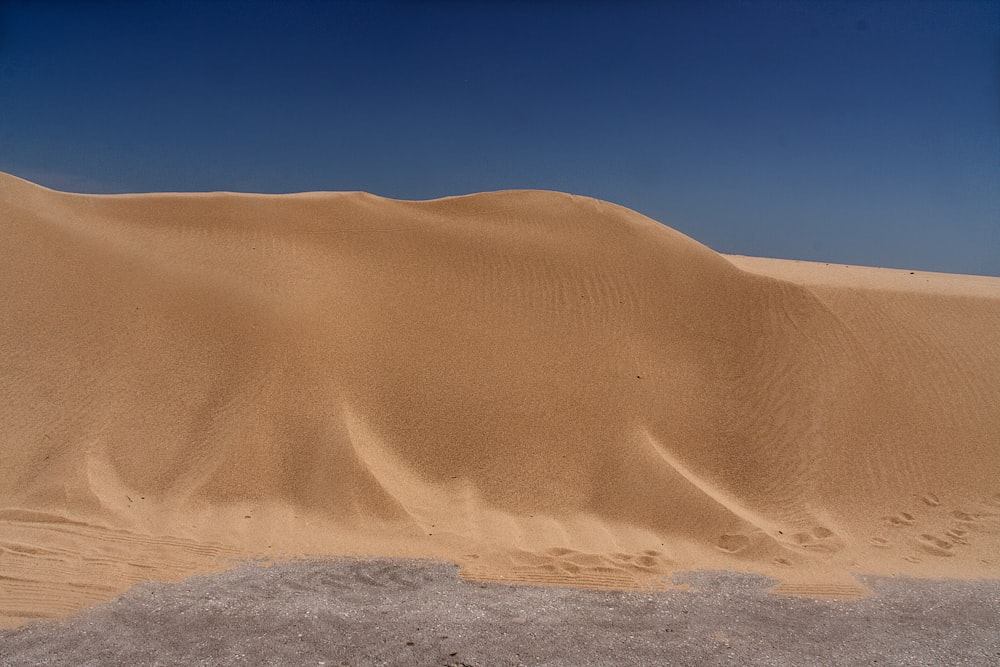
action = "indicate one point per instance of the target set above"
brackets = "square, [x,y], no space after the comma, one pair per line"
[538,386]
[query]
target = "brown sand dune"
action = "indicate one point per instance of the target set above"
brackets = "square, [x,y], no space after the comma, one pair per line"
[537,386]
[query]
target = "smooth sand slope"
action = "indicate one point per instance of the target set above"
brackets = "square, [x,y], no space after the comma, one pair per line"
[537,386]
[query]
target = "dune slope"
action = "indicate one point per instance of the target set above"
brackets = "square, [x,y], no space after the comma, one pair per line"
[538,386]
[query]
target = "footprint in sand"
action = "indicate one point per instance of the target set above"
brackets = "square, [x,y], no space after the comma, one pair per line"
[640,561]
[880,542]
[819,538]
[563,566]
[732,543]
[957,535]
[643,560]
[931,500]
[901,519]
[981,521]
[934,546]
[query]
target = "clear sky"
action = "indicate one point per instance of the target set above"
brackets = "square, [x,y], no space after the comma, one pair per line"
[851,132]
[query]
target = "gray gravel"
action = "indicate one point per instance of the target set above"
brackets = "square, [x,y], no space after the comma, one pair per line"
[393,612]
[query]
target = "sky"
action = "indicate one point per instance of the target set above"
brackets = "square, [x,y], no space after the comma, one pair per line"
[849,132]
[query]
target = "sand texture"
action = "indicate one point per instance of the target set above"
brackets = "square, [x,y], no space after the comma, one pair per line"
[536,386]
[383,612]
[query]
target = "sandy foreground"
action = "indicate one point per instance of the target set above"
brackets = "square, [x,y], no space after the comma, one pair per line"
[384,612]
[537,387]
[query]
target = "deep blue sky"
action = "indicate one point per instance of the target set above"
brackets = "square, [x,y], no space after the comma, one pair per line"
[862,132]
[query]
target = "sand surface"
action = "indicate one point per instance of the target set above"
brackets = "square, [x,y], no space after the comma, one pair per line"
[535,386]
[385,612]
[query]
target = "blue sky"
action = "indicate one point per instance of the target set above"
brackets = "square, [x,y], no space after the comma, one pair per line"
[851,132]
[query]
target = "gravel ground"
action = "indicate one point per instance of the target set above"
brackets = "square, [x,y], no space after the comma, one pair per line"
[392,612]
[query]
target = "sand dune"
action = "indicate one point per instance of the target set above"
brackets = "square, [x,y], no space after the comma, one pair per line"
[537,386]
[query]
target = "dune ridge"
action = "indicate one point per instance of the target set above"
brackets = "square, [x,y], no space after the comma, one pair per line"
[538,386]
